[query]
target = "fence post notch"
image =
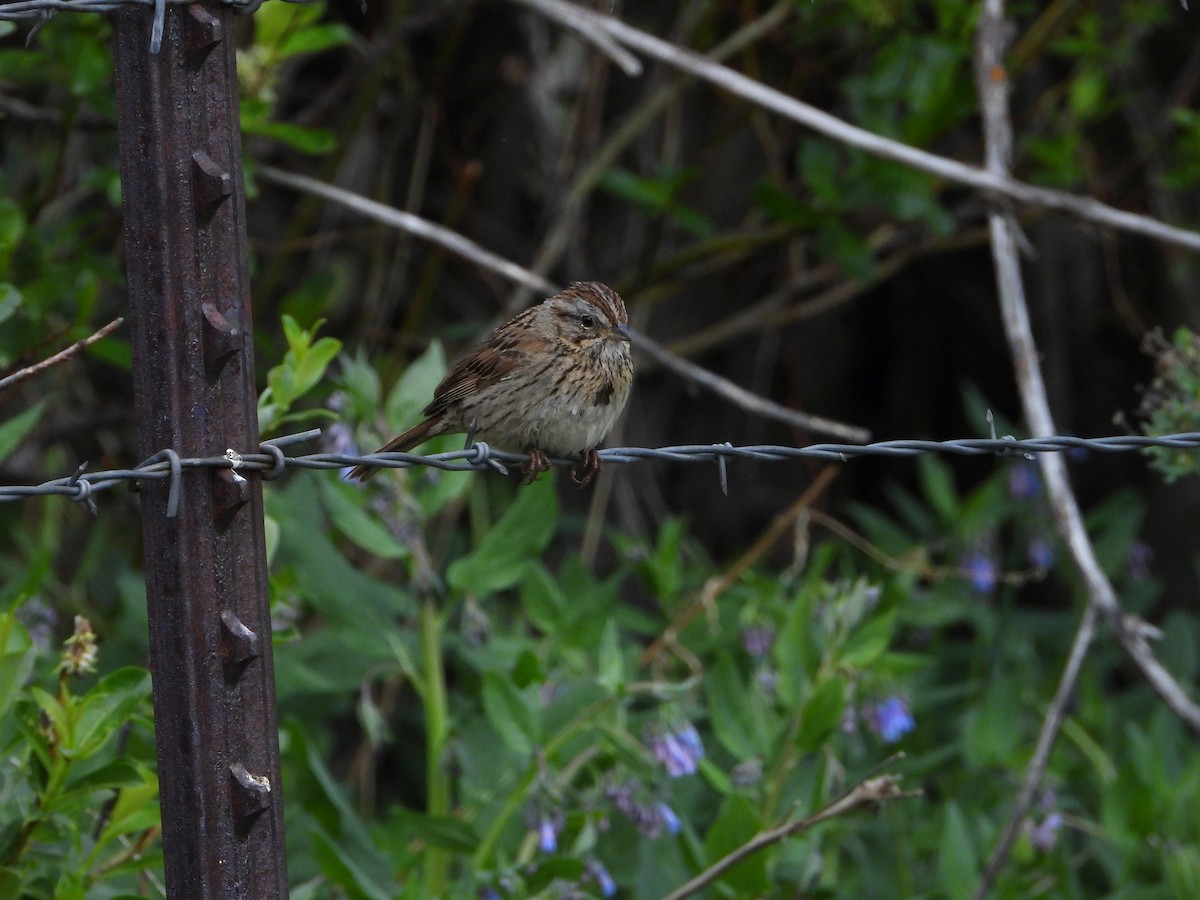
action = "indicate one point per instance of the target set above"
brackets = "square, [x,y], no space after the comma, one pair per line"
[194,392]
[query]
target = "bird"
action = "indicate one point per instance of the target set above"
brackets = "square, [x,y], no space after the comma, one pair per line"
[551,381]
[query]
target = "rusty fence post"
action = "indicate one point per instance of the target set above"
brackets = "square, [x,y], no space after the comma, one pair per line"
[194,392]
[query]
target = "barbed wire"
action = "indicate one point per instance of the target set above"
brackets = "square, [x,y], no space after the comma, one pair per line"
[40,9]
[81,486]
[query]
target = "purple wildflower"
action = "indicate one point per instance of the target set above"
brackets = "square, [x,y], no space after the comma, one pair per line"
[1138,560]
[1044,836]
[982,572]
[1023,481]
[767,680]
[669,819]
[758,639]
[648,814]
[547,832]
[604,881]
[891,719]
[1039,553]
[679,751]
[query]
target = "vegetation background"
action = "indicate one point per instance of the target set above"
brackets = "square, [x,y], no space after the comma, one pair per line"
[467,707]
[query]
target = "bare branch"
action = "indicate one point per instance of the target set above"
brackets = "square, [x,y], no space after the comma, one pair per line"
[407,222]
[61,356]
[747,400]
[993,87]
[866,794]
[468,249]
[622,58]
[996,182]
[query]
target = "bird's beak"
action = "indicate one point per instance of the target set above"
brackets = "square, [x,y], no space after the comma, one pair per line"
[620,332]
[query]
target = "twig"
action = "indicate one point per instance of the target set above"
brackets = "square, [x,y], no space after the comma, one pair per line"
[747,400]
[622,58]
[993,89]
[468,249]
[717,587]
[61,356]
[864,795]
[436,234]
[1051,725]
[995,182]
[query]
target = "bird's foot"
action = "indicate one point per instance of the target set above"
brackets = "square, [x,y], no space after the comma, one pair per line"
[537,464]
[587,468]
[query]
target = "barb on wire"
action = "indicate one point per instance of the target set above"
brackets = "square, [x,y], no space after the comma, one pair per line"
[271,460]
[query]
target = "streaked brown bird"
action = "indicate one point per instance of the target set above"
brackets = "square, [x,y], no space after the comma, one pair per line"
[551,381]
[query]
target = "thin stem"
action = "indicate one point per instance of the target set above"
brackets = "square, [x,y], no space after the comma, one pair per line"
[864,795]
[437,780]
[61,356]
[1051,725]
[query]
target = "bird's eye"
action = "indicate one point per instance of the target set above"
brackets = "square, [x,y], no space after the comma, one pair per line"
[588,321]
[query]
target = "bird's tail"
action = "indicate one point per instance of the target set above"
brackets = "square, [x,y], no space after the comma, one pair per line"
[418,434]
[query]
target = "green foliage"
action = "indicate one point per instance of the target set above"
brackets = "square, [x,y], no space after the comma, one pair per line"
[284,33]
[1171,403]
[302,369]
[76,758]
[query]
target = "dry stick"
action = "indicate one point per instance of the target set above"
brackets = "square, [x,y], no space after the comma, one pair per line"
[468,249]
[407,222]
[739,396]
[993,181]
[1051,725]
[992,84]
[716,587]
[622,58]
[864,795]
[61,356]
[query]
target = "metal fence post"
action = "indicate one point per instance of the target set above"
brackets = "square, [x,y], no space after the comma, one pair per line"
[194,391]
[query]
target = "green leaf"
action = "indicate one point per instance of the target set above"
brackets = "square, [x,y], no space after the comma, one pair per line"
[117,773]
[868,643]
[439,831]
[937,482]
[958,870]
[414,389]
[822,713]
[796,649]
[542,599]
[313,141]
[10,300]
[13,431]
[610,666]
[343,503]
[729,708]
[310,367]
[512,715]
[106,707]
[314,39]
[344,870]
[736,823]
[512,545]
[136,808]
